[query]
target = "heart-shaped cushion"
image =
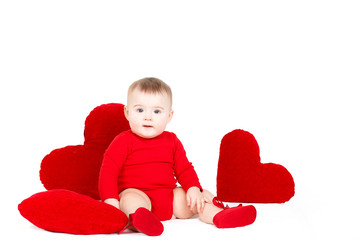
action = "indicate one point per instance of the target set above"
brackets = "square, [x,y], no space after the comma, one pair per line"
[241,177]
[69,212]
[77,167]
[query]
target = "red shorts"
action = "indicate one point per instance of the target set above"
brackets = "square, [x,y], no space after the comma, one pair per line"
[161,203]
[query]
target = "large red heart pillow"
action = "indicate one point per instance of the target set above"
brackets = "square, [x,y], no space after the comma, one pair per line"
[77,167]
[241,177]
[69,212]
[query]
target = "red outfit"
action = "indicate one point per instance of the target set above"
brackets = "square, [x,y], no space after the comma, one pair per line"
[150,165]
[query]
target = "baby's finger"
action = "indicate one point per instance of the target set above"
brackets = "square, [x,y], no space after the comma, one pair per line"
[200,205]
[193,203]
[188,200]
[203,205]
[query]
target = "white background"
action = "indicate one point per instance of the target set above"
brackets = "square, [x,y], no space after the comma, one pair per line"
[287,71]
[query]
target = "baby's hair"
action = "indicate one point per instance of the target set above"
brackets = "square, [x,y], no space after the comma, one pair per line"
[151,85]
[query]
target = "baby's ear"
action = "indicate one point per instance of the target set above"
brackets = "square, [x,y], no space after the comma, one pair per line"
[126,112]
[171,114]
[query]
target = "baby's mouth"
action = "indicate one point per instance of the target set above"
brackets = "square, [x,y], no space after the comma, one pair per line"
[147,126]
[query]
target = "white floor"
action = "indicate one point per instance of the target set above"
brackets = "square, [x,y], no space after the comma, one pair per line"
[289,221]
[287,71]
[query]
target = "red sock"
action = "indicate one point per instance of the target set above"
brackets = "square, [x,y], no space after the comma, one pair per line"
[235,217]
[146,222]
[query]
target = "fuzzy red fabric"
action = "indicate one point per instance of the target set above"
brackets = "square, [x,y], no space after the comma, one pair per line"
[146,222]
[241,177]
[70,212]
[239,216]
[77,167]
[150,165]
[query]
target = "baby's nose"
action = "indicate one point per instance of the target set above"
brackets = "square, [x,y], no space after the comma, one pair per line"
[148,115]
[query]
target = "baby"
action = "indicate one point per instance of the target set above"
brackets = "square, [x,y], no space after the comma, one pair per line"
[142,166]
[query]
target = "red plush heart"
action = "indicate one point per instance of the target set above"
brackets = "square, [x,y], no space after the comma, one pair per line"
[242,177]
[77,167]
[70,212]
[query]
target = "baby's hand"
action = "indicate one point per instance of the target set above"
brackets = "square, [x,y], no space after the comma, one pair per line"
[195,197]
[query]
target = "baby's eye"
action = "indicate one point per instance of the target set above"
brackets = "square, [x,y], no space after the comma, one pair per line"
[157,111]
[140,110]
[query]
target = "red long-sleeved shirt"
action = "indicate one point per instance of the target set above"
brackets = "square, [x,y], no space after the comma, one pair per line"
[146,164]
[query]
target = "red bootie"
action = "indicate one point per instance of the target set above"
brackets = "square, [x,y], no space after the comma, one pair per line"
[146,222]
[239,216]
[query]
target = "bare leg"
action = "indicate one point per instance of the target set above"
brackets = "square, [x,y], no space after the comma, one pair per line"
[230,218]
[210,210]
[131,199]
[137,206]
[181,210]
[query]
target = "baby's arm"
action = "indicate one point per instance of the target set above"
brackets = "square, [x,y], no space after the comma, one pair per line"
[109,171]
[187,177]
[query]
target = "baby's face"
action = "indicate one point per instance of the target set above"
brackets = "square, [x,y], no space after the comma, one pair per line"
[148,114]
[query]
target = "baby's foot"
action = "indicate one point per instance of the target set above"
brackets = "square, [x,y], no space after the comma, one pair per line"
[233,217]
[146,222]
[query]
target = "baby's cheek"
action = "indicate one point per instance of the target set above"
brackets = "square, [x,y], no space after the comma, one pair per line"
[134,124]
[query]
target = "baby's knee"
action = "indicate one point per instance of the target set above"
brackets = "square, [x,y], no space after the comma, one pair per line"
[208,195]
[179,193]
[131,199]
[180,208]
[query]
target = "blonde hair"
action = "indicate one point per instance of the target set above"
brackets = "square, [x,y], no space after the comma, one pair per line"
[151,85]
